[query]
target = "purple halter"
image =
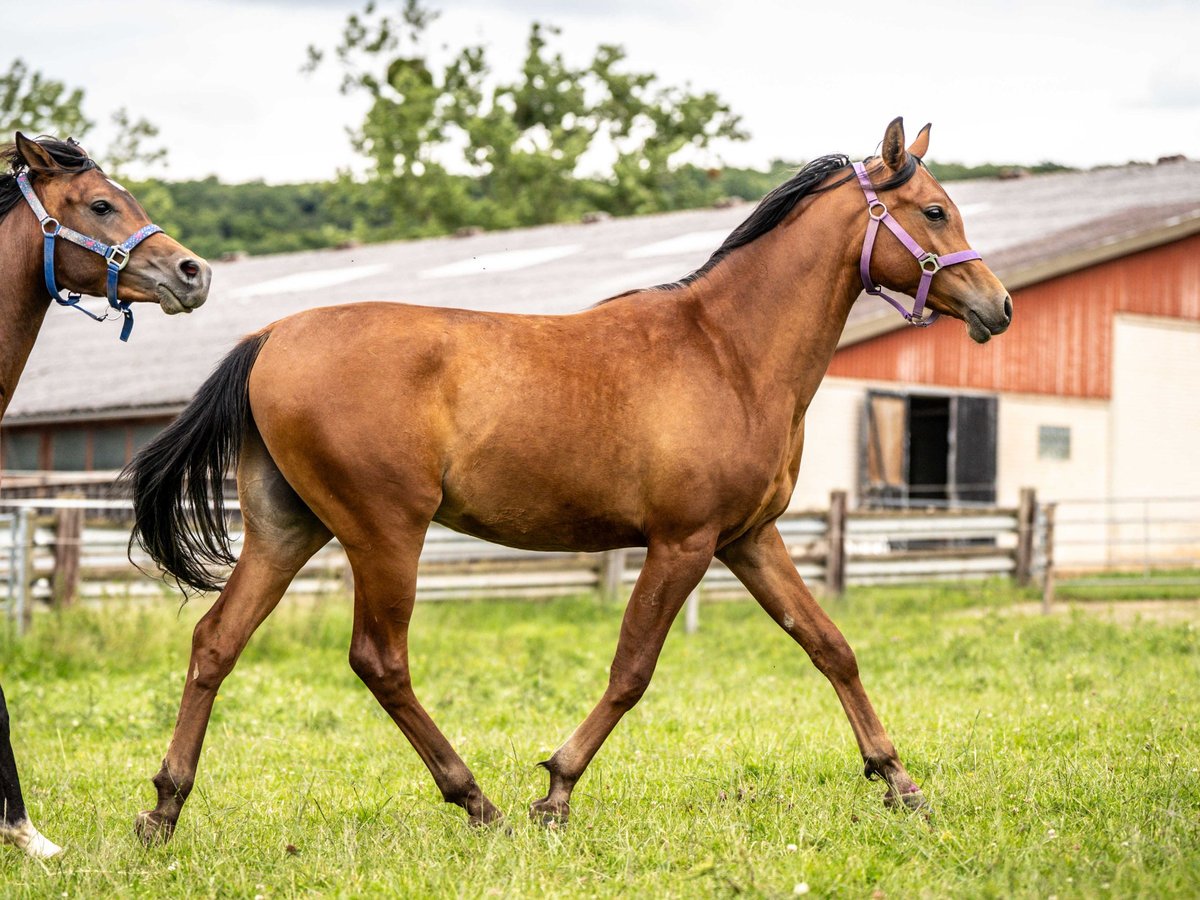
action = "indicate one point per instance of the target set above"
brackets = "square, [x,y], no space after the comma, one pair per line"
[929,262]
[115,256]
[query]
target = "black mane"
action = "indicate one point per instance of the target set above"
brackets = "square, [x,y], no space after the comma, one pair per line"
[68,155]
[775,206]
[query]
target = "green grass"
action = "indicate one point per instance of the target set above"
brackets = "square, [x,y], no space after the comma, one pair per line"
[1061,755]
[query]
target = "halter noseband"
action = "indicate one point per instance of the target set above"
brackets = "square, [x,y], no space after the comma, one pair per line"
[929,262]
[115,256]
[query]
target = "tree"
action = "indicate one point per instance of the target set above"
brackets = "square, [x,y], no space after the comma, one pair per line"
[39,105]
[34,104]
[452,145]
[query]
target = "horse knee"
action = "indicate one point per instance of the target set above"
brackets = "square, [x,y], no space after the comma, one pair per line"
[384,673]
[212,659]
[625,689]
[834,658]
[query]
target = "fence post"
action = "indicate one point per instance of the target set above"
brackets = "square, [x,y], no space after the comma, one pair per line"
[1048,579]
[23,569]
[612,575]
[691,612]
[1026,521]
[68,549]
[835,559]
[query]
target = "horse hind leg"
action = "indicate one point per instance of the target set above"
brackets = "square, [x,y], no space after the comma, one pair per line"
[385,578]
[281,534]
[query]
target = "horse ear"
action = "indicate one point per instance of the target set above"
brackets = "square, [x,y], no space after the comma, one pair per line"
[894,153]
[920,146]
[36,156]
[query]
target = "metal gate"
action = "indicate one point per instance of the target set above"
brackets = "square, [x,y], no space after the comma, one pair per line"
[14,557]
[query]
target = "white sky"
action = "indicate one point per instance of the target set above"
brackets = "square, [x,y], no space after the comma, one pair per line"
[1082,82]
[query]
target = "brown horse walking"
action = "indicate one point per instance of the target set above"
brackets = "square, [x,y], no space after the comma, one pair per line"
[74,193]
[669,418]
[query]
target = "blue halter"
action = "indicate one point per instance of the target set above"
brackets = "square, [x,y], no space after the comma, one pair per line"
[115,256]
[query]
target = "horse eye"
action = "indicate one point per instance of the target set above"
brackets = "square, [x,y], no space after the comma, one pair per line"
[102,207]
[935,214]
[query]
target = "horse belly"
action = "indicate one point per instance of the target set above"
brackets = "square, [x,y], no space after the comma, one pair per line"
[536,508]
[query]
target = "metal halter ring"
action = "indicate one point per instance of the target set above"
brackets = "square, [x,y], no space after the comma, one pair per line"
[930,263]
[871,210]
[51,226]
[112,257]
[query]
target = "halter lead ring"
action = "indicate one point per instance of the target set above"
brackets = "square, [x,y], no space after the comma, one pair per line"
[929,261]
[116,257]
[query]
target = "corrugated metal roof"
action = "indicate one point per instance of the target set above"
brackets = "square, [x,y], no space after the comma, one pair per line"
[78,368]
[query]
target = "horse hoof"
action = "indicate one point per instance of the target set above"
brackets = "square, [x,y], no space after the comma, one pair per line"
[25,836]
[550,815]
[152,827]
[912,800]
[488,815]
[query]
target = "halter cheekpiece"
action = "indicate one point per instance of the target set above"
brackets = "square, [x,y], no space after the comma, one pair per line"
[116,256]
[929,262]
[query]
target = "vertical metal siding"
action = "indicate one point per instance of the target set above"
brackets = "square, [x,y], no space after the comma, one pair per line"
[1060,342]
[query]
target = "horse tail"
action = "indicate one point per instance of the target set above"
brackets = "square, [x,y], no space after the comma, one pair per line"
[178,478]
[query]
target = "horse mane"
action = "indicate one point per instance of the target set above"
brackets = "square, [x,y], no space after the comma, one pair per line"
[68,155]
[775,207]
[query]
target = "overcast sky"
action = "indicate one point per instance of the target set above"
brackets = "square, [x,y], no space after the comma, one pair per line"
[1083,82]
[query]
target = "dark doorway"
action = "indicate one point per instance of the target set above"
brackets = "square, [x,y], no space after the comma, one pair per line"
[928,449]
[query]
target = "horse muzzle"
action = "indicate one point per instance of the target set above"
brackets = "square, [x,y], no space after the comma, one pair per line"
[988,319]
[184,287]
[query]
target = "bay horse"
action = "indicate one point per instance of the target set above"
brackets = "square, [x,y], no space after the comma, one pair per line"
[670,418]
[51,191]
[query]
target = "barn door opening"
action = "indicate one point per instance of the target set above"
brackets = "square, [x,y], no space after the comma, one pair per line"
[928,449]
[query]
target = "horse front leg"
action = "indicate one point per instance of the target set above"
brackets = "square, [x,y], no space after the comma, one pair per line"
[385,589]
[761,562]
[672,570]
[15,827]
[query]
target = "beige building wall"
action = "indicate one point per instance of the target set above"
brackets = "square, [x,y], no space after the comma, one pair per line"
[1019,464]
[1155,440]
[1155,407]
[830,460]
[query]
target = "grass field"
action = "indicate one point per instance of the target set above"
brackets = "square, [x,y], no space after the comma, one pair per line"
[1061,754]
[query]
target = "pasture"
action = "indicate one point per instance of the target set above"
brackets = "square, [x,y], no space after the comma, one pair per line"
[1061,755]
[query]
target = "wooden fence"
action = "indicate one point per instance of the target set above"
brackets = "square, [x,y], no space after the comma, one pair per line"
[67,549]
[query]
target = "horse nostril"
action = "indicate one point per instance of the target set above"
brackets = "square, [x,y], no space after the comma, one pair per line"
[189,268]
[1008,309]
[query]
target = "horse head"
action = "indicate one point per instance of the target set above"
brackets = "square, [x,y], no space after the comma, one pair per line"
[77,196]
[964,287]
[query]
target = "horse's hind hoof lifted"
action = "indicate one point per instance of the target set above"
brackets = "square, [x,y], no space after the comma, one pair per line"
[549,814]
[153,828]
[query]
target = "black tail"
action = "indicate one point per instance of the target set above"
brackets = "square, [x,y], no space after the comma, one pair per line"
[178,478]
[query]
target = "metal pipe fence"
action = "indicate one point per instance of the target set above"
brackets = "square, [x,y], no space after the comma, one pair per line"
[1146,541]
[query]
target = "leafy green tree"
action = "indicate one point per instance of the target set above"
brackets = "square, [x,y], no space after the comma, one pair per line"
[34,104]
[452,145]
[38,105]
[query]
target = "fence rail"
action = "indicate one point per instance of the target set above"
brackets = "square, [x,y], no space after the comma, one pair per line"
[60,550]
[1151,541]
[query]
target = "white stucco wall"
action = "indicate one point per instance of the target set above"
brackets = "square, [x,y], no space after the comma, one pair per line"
[830,460]
[1084,474]
[1155,407]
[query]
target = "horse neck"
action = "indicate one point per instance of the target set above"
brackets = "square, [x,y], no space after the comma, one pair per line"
[23,299]
[780,303]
